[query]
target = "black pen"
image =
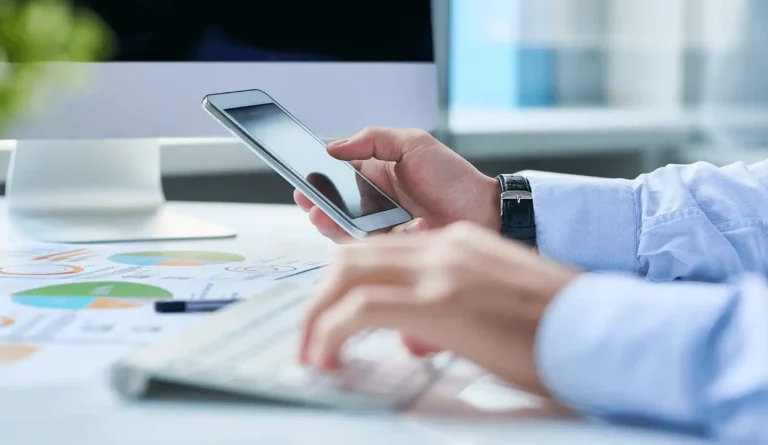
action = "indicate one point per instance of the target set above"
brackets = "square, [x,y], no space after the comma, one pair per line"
[177,306]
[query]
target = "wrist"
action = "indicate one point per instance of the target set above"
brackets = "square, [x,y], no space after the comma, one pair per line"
[554,283]
[491,193]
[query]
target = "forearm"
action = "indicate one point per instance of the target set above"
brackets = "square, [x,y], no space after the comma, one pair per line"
[690,354]
[589,223]
[691,222]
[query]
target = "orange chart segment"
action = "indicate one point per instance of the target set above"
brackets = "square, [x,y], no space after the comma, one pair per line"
[180,262]
[59,255]
[14,352]
[6,321]
[107,303]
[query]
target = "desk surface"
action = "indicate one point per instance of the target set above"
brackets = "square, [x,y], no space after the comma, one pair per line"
[91,414]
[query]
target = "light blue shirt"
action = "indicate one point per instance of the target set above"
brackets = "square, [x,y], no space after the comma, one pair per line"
[671,324]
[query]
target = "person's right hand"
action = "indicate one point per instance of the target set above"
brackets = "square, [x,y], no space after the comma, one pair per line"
[432,182]
[462,288]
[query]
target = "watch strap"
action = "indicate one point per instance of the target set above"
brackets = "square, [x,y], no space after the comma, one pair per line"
[517,216]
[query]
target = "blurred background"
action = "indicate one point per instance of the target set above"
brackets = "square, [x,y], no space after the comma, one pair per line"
[608,88]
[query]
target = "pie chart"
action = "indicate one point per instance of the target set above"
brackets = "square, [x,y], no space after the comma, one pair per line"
[45,269]
[91,295]
[176,258]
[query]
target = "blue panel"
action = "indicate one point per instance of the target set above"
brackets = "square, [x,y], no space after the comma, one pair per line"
[483,64]
[536,77]
[55,302]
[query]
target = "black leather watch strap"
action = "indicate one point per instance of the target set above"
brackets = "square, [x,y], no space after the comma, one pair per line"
[517,217]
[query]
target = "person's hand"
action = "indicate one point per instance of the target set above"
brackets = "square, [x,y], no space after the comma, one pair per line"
[432,182]
[462,288]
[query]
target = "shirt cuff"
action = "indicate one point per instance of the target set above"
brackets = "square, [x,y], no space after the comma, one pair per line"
[588,223]
[613,345]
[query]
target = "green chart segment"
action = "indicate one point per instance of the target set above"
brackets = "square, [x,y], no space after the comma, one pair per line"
[91,295]
[176,258]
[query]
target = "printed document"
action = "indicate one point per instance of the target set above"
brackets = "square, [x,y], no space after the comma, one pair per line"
[68,312]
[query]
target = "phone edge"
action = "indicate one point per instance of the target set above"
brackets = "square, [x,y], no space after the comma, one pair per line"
[290,177]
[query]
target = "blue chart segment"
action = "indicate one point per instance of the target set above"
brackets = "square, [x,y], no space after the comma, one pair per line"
[137,260]
[74,303]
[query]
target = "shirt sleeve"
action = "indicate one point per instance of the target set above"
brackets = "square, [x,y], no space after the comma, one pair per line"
[687,354]
[691,222]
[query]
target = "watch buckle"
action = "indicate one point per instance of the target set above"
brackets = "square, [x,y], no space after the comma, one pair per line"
[516,195]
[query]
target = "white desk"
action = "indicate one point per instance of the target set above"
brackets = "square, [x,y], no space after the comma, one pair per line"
[91,415]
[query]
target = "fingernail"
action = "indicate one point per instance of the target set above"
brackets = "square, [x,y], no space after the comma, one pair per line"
[412,226]
[319,361]
[329,363]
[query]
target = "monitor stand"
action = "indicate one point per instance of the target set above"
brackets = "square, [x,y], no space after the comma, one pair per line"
[90,191]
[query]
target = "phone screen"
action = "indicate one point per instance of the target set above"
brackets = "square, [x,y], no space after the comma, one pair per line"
[298,149]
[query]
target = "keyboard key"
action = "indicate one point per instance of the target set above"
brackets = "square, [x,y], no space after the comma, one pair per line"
[269,357]
[379,346]
[295,375]
[442,360]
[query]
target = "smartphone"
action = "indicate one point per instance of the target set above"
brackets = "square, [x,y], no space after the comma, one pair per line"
[300,157]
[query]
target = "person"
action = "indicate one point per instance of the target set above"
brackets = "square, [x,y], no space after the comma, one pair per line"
[643,299]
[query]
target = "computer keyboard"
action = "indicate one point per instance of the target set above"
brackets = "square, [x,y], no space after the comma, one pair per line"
[250,348]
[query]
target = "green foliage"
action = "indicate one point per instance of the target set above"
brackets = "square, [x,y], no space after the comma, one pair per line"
[35,31]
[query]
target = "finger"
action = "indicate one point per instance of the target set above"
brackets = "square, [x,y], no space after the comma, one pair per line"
[417,347]
[357,165]
[358,265]
[386,144]
[402,238]
[328,227]
[302,201]
[388,307]
[413,226]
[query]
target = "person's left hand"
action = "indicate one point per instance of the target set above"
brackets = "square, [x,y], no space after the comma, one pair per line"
[462,288]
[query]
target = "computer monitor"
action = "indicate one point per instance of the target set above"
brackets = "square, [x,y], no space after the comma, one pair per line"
[338,65]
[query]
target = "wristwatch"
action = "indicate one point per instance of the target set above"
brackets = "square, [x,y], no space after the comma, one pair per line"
[517,217]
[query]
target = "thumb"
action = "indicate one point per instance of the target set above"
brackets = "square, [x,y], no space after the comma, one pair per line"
[415,225]
[385,144]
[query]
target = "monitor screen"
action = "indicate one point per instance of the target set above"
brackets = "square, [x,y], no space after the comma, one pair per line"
[268,30]
[338,65]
